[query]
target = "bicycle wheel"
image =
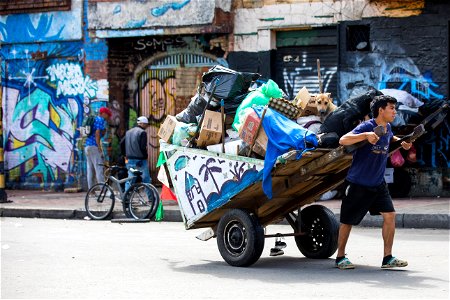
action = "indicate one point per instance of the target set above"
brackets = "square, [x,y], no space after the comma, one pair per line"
[99,201]
[143,200]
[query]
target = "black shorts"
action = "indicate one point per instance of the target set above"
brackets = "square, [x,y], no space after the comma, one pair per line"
[358,200]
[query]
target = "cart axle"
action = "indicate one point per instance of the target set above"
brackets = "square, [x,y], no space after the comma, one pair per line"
[284,234]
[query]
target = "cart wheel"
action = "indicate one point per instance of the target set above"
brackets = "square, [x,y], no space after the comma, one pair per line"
[322,231]
[240,238]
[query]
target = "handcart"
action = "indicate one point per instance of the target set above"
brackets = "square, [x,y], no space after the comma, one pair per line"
[224,193]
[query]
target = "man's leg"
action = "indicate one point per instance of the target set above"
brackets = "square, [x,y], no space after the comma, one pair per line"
[342,262]
[89,166]
[344,233]
[130,164]
[388,232]
[145,172]
[97,160]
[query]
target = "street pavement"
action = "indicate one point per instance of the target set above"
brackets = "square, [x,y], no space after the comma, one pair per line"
[432,212]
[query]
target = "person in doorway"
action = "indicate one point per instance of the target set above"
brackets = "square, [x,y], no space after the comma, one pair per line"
[93,147]
[134,147]
[366,189]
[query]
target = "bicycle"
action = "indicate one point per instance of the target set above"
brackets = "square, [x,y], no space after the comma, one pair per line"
[140,201]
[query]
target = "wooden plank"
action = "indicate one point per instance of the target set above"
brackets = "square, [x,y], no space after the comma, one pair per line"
[291,167]
[315,166]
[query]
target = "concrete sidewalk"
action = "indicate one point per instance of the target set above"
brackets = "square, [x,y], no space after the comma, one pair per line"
[411,212]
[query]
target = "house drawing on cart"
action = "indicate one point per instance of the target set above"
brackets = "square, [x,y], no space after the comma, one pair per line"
[194,194]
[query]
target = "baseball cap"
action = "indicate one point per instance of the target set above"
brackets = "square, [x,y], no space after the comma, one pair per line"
[105,110]
[142,119]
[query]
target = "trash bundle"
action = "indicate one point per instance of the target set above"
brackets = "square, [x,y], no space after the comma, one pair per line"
[219,83]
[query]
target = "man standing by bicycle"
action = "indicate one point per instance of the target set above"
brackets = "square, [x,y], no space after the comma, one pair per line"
[93,147]
[134,146]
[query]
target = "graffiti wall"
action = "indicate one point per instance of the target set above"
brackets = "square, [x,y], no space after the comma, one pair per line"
[42,27]
[43,103]
[401,58]
[157,100]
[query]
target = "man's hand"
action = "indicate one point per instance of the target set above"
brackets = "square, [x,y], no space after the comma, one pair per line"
[406,145]
[372,137]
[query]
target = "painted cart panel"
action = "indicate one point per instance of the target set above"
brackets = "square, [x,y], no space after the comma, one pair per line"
[204,181]
[209,184]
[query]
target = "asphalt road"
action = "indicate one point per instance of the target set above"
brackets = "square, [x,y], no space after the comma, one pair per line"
[45,258]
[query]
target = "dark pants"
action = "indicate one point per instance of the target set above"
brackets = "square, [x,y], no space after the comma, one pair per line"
[358,200]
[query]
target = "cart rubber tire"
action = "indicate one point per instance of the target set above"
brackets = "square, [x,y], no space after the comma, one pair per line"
[322,230]
[240,238]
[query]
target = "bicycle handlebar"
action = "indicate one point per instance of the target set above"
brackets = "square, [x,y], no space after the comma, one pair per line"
[116,168]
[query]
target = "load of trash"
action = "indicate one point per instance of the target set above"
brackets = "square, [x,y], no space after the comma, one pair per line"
[229,114]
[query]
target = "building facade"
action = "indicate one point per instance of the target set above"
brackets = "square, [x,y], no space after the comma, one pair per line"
[62,60]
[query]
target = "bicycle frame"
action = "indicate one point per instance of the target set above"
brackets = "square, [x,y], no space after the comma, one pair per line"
[117,182]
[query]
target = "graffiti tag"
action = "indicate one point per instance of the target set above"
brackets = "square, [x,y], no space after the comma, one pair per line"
[71,81]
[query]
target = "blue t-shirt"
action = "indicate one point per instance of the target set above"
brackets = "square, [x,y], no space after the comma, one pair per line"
[369,161]
[99,123]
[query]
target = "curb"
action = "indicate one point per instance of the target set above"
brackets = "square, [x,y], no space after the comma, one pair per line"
[436,221]
[170,215]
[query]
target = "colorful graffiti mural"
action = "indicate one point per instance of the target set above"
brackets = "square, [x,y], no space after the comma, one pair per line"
[44,101]
[42,27]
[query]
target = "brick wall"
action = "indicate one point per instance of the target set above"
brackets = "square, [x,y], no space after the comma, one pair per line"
[97,69]
[125,55]
[33,6]
[188,80]
[93,1]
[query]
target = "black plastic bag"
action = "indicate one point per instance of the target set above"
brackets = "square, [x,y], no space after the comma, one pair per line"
[231,86]
[231,83]
[349,114]
[195,108]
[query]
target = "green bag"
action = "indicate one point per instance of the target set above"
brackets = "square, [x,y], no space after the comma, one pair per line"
[159,216]
[260,96]
[88,123]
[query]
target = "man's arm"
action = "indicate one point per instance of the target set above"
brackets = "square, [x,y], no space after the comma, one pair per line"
[143,142]
[122,146]
[98,141]
[405,145]
[353,138]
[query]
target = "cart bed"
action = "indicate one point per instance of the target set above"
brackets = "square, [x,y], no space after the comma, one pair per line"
[208,184]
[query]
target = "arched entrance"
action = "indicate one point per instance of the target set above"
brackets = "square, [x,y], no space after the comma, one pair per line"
[165,85]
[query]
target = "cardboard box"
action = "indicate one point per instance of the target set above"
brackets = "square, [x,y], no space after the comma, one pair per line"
[310,108]
[211,130]
[260,145]
[302,98]
[247,131]
[167,128]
